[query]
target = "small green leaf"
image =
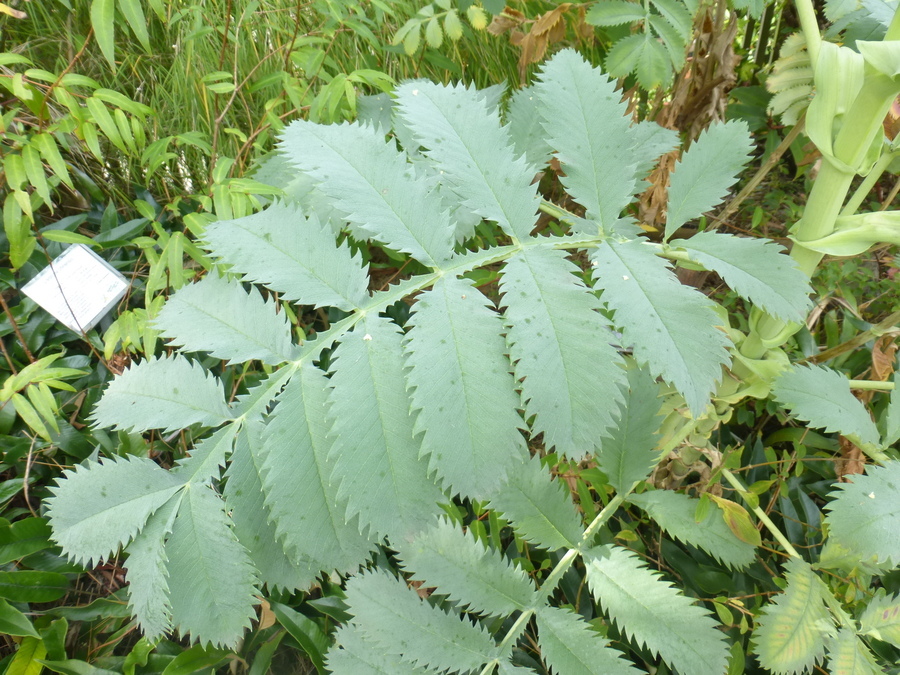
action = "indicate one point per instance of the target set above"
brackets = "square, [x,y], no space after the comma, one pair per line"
[13,622]
[32,586]
[738,521]
[103,21]
[881,619]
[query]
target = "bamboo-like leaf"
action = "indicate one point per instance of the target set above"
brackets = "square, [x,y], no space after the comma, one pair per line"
[101,507]
[653,613]
[674,512]
[293,255]
[790,634]
[672,327]
[705,172]
[162,393]
[375,452]
[822,397]
[134,15]
[559,342]
[462,389]
[864,516]
[393,617]
[756,269]
[103,22]
[570,647]
[217,316]
[848,655]
[358,656]
[586,123]
[881,619]
[463,135]
[369,180]
[463,569]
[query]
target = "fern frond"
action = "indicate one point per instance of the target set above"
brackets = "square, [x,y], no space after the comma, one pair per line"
[585,122]
[358,656]
[462,388]
[98,508]
[756,269]
[375,452]
[627,453]
[653,613]
[393,617]
[211,579]
[570,647]
[790,634]
[539,507]
[822,397]
[864,516]
[217,316]
[297,479]
[525,128]
[672,327]
[560,346]
[881,619]
[291,254]
[848,655]
[463,135]
[207,457]
[705,172]
[368,179]
[674,512]
[468,573]
[162,393]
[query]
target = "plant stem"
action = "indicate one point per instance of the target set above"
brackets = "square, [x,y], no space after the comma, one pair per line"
[810,25]
[764,518]
[872,385]
[868,183]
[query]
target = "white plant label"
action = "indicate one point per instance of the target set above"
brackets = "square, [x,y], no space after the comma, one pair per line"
[78,288]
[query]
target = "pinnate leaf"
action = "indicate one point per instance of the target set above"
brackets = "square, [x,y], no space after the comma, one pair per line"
[570,647]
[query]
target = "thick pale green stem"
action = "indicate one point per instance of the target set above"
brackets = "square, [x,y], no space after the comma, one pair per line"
[762,515]
[853,204]
[810,25]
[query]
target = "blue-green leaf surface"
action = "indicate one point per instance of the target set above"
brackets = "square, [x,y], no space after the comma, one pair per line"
[570,647]
[358,656]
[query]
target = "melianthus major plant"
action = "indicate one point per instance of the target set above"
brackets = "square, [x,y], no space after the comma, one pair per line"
[324,468]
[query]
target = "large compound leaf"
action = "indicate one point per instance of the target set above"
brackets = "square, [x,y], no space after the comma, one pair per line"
[462,134]
[217,316]
[756,269]
[96,509]
[162,393]
[790,634]
[848,655]
[585,121]
[295,256]
[539,508]
[470,574]
[395,619]
[559,342]
[297,479]
[358,656]
[821,396]
[865,514]
[672,327]
[881,619]
[627,454]
[211,578]
[463,389]
[674,513]
[654,614]
[375,452]
[705,172]
[570,647]
[369,180]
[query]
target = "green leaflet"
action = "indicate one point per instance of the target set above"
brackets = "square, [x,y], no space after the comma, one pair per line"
[756,269]
[252,519]
[672,327]
[650,142]
[525,129]
[674,512]
[615,13]
[462,388]
[100,507]
[790,634]
[848,655]
[570,647]
[358,656]
[297,479]
[705,172]
[369,180]
[539,508]
[559,343]
[585,122]
[468,573]
[393,617]
[217,316]
[864,515]
[207,457]
[881,619]
[463,136]
[653,613]
[162,393]
[822,397]
[627,454]
[644,55]
[291,254]
[211,579]
[375,452]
